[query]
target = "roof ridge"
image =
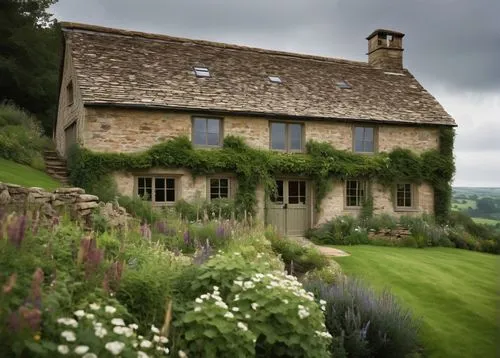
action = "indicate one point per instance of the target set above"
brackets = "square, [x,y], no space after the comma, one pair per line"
[161,37]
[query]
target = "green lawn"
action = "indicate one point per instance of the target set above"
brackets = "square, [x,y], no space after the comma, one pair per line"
[486,221]
[15,173]
[455,292]
[468,204]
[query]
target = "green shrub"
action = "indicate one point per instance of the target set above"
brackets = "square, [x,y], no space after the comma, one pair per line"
[298,257]
[147,282]
[338,231]
[368,324]
[382,221]
[140,209]
[21,138]
[105,189]
[187,211]
[328,274]
[261,315]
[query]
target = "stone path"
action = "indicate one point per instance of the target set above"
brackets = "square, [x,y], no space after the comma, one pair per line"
[327,251]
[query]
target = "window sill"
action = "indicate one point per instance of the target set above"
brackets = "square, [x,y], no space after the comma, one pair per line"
[410,210]
[201,146]
[352,208]
[364,153]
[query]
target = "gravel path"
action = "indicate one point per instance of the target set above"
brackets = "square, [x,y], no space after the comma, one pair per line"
[327,251]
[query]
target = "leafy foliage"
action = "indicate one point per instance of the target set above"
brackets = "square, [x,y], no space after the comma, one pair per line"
[321,163]
[30,46]
[21,137]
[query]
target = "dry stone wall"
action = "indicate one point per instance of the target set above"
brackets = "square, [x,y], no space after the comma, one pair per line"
[75,199]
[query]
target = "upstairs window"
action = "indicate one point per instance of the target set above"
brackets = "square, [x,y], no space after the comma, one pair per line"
[201,72]
[287,137]
[355,193]
[364,139]
[207,131]
[69,93]
[219,188]
[404,196]
[157,189]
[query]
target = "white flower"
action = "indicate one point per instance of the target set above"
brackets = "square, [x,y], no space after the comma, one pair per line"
[163,339]
[146,344]
[79,313]
[166,350]
[254,306]
[221,305]
[285,301]
[68,322]
[235,309]
[94,306]
[303,313]
[197,309]
[141,354]
[159,348]
[110,309]
[229,315]
[156,338]
[247,316]
[248,284]
[117,322]
[100,332]
[242,326]
[216,288]
[237,254]
[154,329]
[133,326]
[119,329]
[322,302]
[81,350]
[182,354]
[237,297]
[89,355]
[115,347]
[205,296]
[198,300]
[89,316]
[140,337]
[63,349]
[69,336]
[239,283]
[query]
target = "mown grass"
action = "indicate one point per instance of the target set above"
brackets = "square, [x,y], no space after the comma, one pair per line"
[19,174]
[486,221]
[464,206]
[455,293]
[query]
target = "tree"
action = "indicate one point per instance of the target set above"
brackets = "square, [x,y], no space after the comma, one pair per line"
[30,50]
[486,205]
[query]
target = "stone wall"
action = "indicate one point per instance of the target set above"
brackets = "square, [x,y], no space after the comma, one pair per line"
[383,202]
[75,199]
[129,130]
[68,113]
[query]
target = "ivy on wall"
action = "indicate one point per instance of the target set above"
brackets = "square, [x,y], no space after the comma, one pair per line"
[321,163]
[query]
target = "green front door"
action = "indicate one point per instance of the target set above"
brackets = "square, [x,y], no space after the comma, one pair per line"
[288,209]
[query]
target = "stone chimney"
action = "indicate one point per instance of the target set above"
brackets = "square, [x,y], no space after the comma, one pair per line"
[385,49]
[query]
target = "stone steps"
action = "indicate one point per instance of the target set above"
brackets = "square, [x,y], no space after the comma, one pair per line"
[56,166]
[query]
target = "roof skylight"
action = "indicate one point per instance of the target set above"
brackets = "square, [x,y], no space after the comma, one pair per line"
[201,72]
[275,79]
[343,85]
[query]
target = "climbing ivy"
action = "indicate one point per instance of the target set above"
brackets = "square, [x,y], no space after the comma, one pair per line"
[321,163]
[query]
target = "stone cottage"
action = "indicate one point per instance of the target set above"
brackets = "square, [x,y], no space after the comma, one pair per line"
[124,91]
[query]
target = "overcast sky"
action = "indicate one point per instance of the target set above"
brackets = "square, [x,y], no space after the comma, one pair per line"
[451,46]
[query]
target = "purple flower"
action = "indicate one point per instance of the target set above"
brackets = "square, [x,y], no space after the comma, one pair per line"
[187,239]
[16,231]
[145,231]
[219,232]
[162,227]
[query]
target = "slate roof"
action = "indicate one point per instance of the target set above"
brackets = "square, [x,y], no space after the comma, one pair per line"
[118,67]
